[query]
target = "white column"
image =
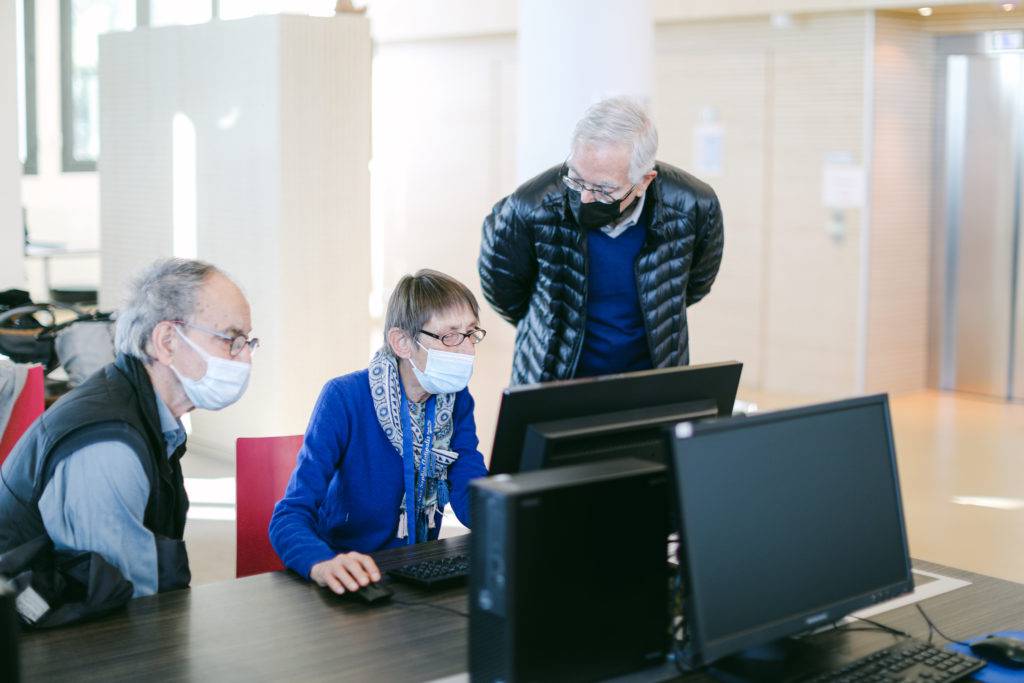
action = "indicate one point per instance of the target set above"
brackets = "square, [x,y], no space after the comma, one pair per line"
[12,267]
[571,54]
[265,174]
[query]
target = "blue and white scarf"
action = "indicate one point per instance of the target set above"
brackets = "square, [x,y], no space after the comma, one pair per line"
[386,391]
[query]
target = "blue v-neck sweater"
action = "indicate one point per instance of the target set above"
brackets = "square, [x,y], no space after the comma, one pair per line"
[348,483]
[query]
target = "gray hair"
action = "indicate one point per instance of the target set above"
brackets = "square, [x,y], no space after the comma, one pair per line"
[417,298]
[165,290]
[622,121]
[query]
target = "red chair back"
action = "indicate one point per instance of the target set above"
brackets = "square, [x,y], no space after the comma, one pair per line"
[27,407]
[263,467]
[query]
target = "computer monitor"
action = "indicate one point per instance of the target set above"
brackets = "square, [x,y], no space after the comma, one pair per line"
[788,521]
[577,421]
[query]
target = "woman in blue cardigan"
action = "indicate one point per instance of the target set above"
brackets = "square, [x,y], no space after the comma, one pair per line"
[387,447]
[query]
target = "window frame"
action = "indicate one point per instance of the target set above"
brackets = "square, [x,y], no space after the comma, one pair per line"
[31,163]
[69,163]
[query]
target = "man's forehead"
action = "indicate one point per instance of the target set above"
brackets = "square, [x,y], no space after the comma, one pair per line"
[600,164]
[223,306]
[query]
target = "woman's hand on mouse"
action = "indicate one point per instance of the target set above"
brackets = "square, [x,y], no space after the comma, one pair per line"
[345,572]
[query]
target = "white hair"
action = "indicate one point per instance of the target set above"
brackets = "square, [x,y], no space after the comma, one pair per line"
[622,121]
[165,290]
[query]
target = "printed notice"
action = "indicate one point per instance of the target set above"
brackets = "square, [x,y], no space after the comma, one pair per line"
[708,139]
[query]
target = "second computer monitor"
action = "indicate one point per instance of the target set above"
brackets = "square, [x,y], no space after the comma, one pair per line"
[788,521]
[579,421]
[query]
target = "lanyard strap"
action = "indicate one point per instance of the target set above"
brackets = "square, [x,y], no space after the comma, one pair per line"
[414,490]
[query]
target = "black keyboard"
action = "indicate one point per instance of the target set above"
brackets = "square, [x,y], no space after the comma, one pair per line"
[910,660]
[441,571]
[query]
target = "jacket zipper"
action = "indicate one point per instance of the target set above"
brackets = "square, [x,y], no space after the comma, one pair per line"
[643,314]
[586,296]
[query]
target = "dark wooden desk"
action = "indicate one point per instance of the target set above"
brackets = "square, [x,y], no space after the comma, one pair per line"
[278,627]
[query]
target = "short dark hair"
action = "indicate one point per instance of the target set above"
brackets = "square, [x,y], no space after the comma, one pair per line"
[418,297]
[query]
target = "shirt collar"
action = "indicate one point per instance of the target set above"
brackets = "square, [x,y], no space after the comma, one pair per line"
[613,230]
[170,426]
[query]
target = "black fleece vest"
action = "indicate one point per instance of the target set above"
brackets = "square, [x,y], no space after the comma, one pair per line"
[117,403]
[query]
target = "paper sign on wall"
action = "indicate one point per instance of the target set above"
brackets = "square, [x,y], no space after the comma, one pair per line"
[842,185]
[708,150]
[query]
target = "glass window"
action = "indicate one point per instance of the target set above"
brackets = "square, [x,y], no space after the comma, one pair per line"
[82,22]
[26,58]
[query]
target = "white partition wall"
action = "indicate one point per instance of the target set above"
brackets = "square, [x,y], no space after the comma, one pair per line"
[247,143]
[11,265]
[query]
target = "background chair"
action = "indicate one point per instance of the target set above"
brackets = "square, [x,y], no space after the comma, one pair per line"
[262,469]
[27,407]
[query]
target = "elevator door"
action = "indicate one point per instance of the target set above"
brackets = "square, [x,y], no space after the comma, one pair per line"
[981,207]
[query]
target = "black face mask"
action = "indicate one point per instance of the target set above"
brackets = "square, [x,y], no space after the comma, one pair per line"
[595,214]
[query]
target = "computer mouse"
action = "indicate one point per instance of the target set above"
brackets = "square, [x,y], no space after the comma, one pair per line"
[1000,650]
[373,593]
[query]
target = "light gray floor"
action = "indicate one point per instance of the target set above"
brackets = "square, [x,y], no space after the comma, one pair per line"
[210,543]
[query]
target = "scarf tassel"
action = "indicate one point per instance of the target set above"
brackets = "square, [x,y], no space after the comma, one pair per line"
[403,526]
[442,494]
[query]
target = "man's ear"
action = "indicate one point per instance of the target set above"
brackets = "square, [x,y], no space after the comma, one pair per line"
[400,343]
[163,342]
[647,180]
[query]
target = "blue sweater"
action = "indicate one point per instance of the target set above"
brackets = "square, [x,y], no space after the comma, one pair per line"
[348,483]
[615,339]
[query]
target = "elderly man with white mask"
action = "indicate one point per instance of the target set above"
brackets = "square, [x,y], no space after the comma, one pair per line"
[100,471]
[596,260]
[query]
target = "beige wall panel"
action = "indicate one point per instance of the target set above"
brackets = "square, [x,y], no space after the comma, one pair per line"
[813,297]
[897,342]
[723,68]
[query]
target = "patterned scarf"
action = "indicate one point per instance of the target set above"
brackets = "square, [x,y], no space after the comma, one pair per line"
[386,390]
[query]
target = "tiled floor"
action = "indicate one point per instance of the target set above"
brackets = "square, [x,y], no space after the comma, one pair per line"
[961,461]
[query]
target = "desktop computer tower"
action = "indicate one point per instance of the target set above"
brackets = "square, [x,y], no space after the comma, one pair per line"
[569,578]
[10,626]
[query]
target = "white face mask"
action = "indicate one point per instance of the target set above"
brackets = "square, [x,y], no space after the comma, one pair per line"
[446,372]
[223,383]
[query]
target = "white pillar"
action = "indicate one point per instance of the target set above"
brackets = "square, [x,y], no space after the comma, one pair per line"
[571,54]
[12,266]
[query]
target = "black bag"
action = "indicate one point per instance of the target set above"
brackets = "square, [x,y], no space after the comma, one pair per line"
[20,331]
[55,588]
[29,333]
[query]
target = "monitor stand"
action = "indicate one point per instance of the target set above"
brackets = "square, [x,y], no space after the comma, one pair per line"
[782,660]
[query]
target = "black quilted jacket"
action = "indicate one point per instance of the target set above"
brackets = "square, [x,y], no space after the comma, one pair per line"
[533,269]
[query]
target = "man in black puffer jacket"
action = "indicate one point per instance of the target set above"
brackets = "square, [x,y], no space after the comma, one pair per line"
[596,260]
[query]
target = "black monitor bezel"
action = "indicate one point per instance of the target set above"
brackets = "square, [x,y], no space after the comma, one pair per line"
[546,401]
[699,651]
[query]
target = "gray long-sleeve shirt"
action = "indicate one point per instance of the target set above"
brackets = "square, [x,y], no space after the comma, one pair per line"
[96,502]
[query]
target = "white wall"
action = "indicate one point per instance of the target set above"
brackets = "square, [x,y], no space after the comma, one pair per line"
[444,137]
[281,108]
[11,266]
[401,20]
[571,54]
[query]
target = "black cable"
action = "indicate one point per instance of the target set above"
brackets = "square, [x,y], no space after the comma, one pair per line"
[883,627]
[933,627]
[431,605]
